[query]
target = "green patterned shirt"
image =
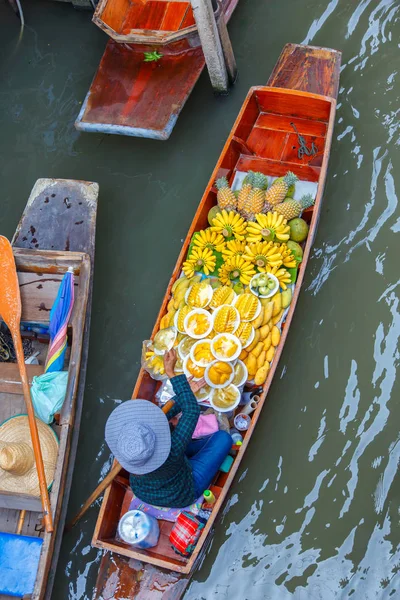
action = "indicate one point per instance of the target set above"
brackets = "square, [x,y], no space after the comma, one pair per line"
[172,484]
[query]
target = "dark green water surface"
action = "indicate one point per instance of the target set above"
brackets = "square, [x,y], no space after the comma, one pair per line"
[314,512]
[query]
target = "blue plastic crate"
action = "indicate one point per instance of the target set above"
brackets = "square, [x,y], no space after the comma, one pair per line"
[19,561]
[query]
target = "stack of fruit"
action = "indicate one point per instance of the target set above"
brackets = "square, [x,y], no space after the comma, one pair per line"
[225,328]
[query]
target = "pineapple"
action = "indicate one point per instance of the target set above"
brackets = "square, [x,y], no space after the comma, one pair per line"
[225,197]
[278,190]
[293,208]
[244,192]
[256,199]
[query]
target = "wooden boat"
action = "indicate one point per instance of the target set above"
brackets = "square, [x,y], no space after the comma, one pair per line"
[144,99]
[302,90]
[56,231]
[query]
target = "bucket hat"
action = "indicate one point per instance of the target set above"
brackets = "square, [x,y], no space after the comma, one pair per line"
[17,460]
[137,433]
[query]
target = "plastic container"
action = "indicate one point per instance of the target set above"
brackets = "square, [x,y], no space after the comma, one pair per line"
[232,324]
[269,276]
[229,338]
[250,317]
[190,323]
[239,382]
[139,529]
[242,422]
[215,402]
[235,435]
[202,362]
[218,386]
[189,374]
[164,340]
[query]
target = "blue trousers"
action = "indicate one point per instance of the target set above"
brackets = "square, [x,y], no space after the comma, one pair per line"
[206,455]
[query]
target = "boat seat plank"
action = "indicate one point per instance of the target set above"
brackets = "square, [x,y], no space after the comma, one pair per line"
[276,168]
[10,381]
[131,97]
[283,123]
[319,72]
[151,16]
[188,19]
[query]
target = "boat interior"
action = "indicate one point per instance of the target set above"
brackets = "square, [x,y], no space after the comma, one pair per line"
[262,139]
[40,274]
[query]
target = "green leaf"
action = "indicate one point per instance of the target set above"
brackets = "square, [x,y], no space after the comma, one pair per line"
[293,273]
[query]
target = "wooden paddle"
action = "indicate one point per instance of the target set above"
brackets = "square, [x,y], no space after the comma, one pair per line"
[10,311]
[108,479]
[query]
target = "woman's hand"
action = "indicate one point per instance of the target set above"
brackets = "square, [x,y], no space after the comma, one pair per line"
[195,386]
[170,359]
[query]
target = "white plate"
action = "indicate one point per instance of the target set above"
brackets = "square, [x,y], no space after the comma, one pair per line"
[229,336]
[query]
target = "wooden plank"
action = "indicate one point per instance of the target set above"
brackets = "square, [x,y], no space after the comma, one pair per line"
[174,15]
[20,502]
[10,381]
[307,69]
[131,97]
[283,123]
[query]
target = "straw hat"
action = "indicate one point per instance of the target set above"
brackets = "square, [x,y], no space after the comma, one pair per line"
[17,460]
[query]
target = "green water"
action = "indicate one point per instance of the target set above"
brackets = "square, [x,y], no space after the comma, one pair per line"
[314,512]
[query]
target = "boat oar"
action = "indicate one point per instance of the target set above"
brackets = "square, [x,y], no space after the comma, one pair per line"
[108,479]
[10,311]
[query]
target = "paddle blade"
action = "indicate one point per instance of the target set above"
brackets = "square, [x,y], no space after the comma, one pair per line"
[10,299]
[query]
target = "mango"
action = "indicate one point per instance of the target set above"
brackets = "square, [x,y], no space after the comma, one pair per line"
[261,374]
[267,342]
[261,359]
[277,300]
[270,353]
[251,364]
[275,336]
[257,350]
[255,341]
[278,317]
[243,355]
[258,321]
[286,297]
[264,331]
[268,309]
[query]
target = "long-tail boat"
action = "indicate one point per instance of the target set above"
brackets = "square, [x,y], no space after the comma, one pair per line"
[56,232]
[302,90]
[129,96]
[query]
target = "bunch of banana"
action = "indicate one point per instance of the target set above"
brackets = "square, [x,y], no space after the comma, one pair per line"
[268,228]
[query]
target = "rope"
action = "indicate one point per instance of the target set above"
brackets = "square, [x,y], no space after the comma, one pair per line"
[303,149]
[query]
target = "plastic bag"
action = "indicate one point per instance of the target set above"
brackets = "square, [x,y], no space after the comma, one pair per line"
[151,362]
[48,394]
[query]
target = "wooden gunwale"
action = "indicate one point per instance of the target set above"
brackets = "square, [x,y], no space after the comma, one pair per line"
[112,568]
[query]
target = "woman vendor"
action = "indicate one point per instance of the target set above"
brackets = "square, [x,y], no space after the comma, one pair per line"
[167,469]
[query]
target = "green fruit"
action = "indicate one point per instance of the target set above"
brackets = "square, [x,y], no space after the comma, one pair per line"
[264,290]
[298,230]
[291,189]
[238,288]
[296,250]
[215,283]
[212,213]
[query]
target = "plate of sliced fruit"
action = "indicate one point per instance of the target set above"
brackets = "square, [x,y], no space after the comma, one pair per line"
[225,400]
[198,323]
[226,346]
[219,374]
[192,370]
[201,354]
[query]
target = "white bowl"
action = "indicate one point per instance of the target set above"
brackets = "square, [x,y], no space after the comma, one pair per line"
[218,386]
[257,311]
[208,294]
[245,374]
[237,319]
[272,292]
[187,372]
[231,407]
[180,351]
[229,336]
[198,311]
[198,362]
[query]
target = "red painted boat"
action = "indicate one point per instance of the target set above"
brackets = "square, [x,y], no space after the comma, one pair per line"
[144,99]
[302,89]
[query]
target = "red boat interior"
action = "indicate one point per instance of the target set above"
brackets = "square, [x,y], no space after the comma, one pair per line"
[263,140]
